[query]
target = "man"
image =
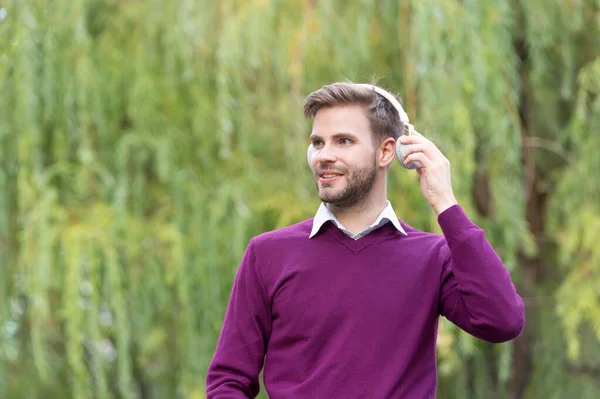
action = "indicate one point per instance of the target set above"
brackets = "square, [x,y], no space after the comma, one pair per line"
[346,304]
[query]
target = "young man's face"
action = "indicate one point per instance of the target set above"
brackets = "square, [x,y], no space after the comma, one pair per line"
[344,158]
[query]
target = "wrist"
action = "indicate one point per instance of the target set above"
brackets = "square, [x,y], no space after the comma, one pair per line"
[443,205]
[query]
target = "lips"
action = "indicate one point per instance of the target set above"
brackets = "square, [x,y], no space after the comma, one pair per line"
[327,176]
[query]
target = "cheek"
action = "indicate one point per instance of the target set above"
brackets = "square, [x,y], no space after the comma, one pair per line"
[363,160]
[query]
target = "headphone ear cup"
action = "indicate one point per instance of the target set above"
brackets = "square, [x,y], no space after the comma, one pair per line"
[309,154]
[400,150]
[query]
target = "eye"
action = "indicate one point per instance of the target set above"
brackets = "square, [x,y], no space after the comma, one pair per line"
[345,141]
[317,143]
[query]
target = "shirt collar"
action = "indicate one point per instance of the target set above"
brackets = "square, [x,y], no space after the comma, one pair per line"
[324,215]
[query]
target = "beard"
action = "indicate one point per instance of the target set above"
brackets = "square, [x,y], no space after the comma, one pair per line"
[359,184]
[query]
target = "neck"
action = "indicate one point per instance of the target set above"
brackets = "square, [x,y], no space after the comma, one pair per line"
[361,215]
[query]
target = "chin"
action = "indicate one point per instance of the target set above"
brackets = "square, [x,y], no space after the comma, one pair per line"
[329,198]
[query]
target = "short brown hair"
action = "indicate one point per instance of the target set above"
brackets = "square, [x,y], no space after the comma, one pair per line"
[384,118]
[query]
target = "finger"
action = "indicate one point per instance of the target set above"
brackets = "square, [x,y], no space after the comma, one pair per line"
[429,149]
[414,138]
[418,157]
[426,146]
[414,133]
[426,140]
[411,148]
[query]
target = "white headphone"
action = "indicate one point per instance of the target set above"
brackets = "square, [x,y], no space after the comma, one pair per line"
[400,148]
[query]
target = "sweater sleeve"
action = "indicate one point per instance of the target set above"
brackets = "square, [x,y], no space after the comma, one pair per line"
[477,293]
[238,359]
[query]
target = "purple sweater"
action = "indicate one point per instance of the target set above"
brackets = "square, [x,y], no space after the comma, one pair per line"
[343,318]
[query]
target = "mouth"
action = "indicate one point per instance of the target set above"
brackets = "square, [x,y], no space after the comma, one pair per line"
[328,176]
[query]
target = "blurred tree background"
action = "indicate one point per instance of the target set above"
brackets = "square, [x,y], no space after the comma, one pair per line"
[142,143]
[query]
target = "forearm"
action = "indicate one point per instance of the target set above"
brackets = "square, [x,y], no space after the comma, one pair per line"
[487,304]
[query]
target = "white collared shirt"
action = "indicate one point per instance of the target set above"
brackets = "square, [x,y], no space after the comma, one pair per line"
[324,215]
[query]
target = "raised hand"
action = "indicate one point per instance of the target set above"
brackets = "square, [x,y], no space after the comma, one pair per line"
[435,179]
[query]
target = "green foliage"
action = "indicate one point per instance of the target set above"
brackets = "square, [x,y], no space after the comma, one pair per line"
[143,143]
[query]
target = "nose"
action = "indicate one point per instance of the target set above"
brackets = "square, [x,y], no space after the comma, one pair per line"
[325,154]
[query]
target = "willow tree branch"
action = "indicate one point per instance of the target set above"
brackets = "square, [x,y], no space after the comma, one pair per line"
[548,145]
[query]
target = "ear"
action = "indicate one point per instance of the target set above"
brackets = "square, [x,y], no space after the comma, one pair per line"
[387,152]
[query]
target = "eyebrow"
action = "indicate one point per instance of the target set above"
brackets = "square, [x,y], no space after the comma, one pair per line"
[335,136]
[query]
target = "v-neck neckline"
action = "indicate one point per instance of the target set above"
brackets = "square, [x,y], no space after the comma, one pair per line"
[356,246]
